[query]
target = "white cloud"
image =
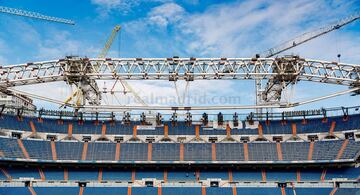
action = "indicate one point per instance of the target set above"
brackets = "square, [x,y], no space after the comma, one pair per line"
[124,6]
[247,27]
[166,14]
[106,6]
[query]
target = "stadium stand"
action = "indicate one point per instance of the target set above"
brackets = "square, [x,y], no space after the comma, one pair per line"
[89,158]
[327,150]
[316,125]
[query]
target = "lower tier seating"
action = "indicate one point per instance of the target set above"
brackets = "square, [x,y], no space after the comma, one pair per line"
[49,173]
[175,191]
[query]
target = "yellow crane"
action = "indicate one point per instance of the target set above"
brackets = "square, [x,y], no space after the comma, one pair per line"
[77,94]
[109,42]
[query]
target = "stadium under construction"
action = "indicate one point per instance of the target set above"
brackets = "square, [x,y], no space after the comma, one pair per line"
[89,148]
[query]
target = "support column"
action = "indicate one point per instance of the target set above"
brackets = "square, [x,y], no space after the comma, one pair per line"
[342,149]
[279,151]
[331,131]
[81,191]
[228,131]
[135,131]
[84,151]
[100,174]
[133,175]
[166,131]
[70,130]
[23,149]
[41,173]
[230,175]
[197,175]
[263,175]
[149,158]
[53,150]
[32,126]
[234,190]
[213,152]
[7,175]
[311,150]
[333,191]
[159,190]
[32,191]
[246,152]
[197,132]
[103,130]
[117,152]
[294,130]
[283,191]
[203,190]
[165,175]
[181,151]
[66,174]
[298,175]
[323,175]
[260,131]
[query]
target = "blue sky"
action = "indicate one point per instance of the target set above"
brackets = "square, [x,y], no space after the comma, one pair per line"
[198,28]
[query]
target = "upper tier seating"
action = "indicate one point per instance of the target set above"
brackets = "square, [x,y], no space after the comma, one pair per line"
[107,151]
[316,125]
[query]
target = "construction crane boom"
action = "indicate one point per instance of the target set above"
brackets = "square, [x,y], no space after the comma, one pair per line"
[35,15]
[109,42]
[274,87]
[308,36]
[103,54]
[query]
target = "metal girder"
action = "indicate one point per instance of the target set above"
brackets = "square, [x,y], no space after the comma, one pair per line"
[275,85]
[282,69]
[35,15]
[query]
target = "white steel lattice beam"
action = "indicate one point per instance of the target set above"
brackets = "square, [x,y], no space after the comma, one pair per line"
[73,69]
[35,15]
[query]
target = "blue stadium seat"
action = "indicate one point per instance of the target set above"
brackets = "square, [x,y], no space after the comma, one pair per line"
[24,172]
[258,191]
[101,151]
[15,191]
[82,174]
[54,173]
[56,190]
[116,174]
[105,191]
[181,191]
[197,152]
[247,175]
[176,176]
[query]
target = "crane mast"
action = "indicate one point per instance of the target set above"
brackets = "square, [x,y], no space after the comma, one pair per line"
[271,93]
[87,89]
[109,42]
[35,15]
[103,54]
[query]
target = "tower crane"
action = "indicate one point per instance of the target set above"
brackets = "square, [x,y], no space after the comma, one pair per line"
[78,95]
[272,92]
[308,36]
[103,54]
[109,42]
[35,15]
